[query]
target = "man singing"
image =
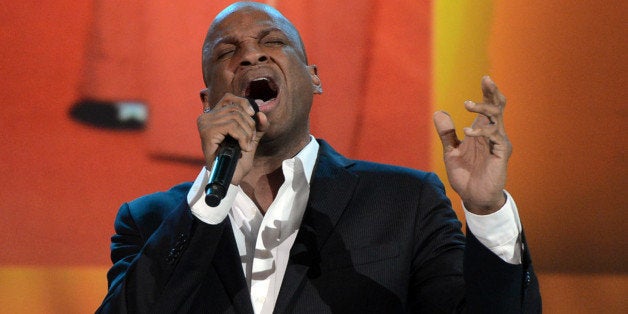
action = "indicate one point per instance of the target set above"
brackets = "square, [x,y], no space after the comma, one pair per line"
[303,229]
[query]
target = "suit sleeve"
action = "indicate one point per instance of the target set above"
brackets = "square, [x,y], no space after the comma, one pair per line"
[454,274]
[145,257]
[495,286]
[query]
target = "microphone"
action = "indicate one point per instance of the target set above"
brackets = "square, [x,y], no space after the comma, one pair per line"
[223,168]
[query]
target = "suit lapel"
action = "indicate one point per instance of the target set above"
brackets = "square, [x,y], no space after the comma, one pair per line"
[331,189]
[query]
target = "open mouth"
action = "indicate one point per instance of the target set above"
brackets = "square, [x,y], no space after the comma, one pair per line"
[262,88]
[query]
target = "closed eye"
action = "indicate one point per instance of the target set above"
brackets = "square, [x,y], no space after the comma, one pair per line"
[225,54]
[274,43]
[273,40]
[224,50]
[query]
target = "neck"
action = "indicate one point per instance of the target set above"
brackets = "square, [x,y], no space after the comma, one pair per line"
[282,147]
[262,187]
[262,183]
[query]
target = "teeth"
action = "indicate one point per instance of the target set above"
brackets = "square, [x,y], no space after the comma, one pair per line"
[260,79]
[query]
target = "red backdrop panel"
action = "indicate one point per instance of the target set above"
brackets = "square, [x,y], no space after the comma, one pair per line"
[67,180]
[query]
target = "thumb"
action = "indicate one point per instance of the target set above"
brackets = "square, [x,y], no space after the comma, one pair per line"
[261,126]
[446,131]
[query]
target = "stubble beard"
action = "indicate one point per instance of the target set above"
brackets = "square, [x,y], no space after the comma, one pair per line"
[284,146]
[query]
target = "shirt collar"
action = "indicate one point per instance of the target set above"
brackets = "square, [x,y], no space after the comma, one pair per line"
[297,174]
[307,157]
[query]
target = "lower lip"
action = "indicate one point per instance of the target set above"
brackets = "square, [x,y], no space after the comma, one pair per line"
[267,105]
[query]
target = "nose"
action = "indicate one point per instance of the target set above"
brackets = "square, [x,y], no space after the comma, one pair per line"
[252,55]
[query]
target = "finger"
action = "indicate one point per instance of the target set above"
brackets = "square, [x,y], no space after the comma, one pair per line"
[240,125]
[227,120]
[236,112]
[492,113]
[254,121]
[482,121]
[491,93]
[480,132]
[497,142]
[230,99]
[446,131]
[262,122]
[245,104]
[214,136]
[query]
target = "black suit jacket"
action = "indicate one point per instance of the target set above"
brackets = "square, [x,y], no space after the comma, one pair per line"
[374,239]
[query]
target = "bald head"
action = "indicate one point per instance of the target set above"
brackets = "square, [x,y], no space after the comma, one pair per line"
[215,31]
[248,6]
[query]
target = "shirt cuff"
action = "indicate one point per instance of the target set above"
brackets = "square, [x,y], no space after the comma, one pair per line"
[499,231]
[200,209]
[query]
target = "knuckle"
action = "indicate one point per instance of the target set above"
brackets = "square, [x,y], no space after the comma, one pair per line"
[496,111]
[200,121]
[232,123]
[501,98]
[231,107]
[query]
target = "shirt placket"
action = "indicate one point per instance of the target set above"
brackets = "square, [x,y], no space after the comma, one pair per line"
[268,239]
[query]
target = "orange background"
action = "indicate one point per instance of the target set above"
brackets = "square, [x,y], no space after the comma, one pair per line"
[385,67]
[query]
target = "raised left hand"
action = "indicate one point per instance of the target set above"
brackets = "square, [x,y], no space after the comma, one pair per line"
[476,166]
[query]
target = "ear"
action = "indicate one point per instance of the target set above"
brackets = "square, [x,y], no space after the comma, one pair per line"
[204,93]
[317,88]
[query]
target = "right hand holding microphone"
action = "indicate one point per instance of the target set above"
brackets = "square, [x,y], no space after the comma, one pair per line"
[231,116]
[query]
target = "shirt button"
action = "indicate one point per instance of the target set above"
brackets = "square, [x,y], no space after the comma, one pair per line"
[260,299]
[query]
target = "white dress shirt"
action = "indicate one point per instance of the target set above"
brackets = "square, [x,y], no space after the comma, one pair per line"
[264,241]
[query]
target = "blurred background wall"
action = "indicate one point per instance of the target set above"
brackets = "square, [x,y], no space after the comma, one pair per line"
[385,66]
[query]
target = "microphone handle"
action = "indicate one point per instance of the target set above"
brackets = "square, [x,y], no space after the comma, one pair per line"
[223,168]
[222,171]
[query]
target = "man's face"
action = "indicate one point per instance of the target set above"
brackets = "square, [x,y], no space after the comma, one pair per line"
[252,54]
